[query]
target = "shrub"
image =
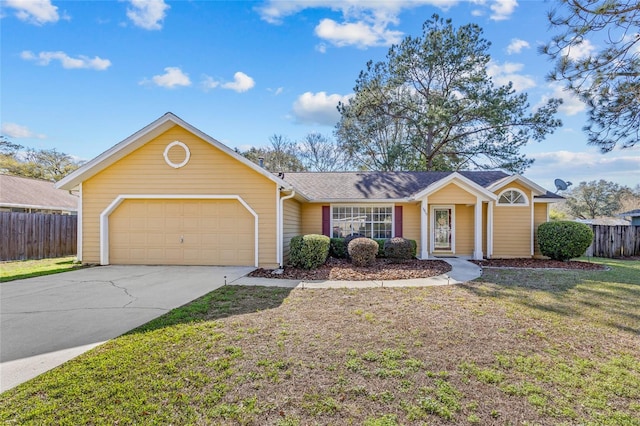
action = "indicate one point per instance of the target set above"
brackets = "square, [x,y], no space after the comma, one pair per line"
[337,248]
[414,247]
[362,251]
[308,251]
[350,238]
[380,247]
[398,249]
[564,240]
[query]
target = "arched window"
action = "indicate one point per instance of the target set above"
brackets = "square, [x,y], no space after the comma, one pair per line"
[513,197]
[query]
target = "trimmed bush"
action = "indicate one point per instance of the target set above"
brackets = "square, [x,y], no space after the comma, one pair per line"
[564,240]
[380,247]
[398,249]
[337,248]
[350,238]
[362,251]
[308,251]
[414,247]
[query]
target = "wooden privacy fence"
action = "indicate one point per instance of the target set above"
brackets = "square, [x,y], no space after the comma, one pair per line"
[37,236]
[614,241]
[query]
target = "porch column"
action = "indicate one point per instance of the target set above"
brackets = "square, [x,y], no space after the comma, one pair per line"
[477,252]
[490,229]
[424,234]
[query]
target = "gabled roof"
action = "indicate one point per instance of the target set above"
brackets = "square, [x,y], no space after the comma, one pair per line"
[18,191]
[537,189]
[373,186]
[145,135]
[631,213]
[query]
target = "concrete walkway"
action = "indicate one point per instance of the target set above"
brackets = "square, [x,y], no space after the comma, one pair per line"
[462,271]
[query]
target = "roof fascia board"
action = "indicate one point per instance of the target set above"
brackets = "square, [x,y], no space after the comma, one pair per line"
[143,136]
[547,200]
[527,182]
[459,180]
[362,200]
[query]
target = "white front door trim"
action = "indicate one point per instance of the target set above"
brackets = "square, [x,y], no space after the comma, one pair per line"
[452,225]
[104,216]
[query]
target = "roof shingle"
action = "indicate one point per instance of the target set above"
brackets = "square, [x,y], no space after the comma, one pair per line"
[375,185]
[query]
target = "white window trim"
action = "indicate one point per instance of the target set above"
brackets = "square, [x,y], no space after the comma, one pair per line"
[432,228]
[524,196]
[104,216]
[79,231]
[393,213]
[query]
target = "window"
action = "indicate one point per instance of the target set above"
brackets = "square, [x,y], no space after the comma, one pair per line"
[372,222]
[512,197]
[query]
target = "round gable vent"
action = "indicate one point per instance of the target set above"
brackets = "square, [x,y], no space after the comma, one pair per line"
[169,161]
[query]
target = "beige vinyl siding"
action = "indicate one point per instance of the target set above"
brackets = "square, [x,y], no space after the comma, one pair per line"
[539,216]
[512,226]
[209,171]
[411,222]
[452,194]
[464,229]
[291,226]
[311,216]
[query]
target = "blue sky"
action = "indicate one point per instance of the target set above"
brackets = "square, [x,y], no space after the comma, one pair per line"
[80,76]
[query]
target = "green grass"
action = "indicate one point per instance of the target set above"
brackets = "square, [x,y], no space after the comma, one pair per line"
[514,347]
[18,270]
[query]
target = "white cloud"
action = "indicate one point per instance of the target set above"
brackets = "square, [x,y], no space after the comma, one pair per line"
[364,23]
[277,91]
[80,62]
[17,131]
[502,9]
[147,14]
[517,45]
[579,51]
[37,12]
[241,83]
[571,104]
[508,72]
[617,166]
[360,34]
[318,108]
[172,78]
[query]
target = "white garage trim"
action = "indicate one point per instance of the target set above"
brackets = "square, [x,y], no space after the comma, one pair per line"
[104,216]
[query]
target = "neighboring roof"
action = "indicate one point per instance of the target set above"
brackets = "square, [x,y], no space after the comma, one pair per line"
[145,135]
[631,213]
[17,191]
[611,221]
[327,186]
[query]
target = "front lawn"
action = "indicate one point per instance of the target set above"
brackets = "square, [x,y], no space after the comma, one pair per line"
[20,269]
[514,347]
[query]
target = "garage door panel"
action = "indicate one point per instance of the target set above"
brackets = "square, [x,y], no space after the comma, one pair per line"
[187,232]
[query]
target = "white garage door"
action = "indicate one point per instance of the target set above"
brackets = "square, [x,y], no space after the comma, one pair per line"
[181,232]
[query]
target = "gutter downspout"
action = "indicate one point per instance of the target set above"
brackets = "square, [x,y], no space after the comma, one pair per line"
[280,238]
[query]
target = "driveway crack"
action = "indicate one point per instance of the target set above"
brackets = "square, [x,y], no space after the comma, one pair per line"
[126,291]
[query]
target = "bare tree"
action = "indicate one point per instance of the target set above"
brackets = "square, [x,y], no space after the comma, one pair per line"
[321,154]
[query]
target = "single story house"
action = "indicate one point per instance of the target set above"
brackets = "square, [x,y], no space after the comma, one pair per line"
[634,215]
[171,194]
[27,195]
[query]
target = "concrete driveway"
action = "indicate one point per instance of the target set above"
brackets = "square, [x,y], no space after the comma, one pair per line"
[48,320]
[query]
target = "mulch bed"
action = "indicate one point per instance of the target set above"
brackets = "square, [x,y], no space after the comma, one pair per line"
[342,269]
[538,263]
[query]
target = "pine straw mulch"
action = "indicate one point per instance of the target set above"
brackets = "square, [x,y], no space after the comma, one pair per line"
[538,263]
[343,270]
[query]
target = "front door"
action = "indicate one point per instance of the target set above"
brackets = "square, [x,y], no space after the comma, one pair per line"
[442,229]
